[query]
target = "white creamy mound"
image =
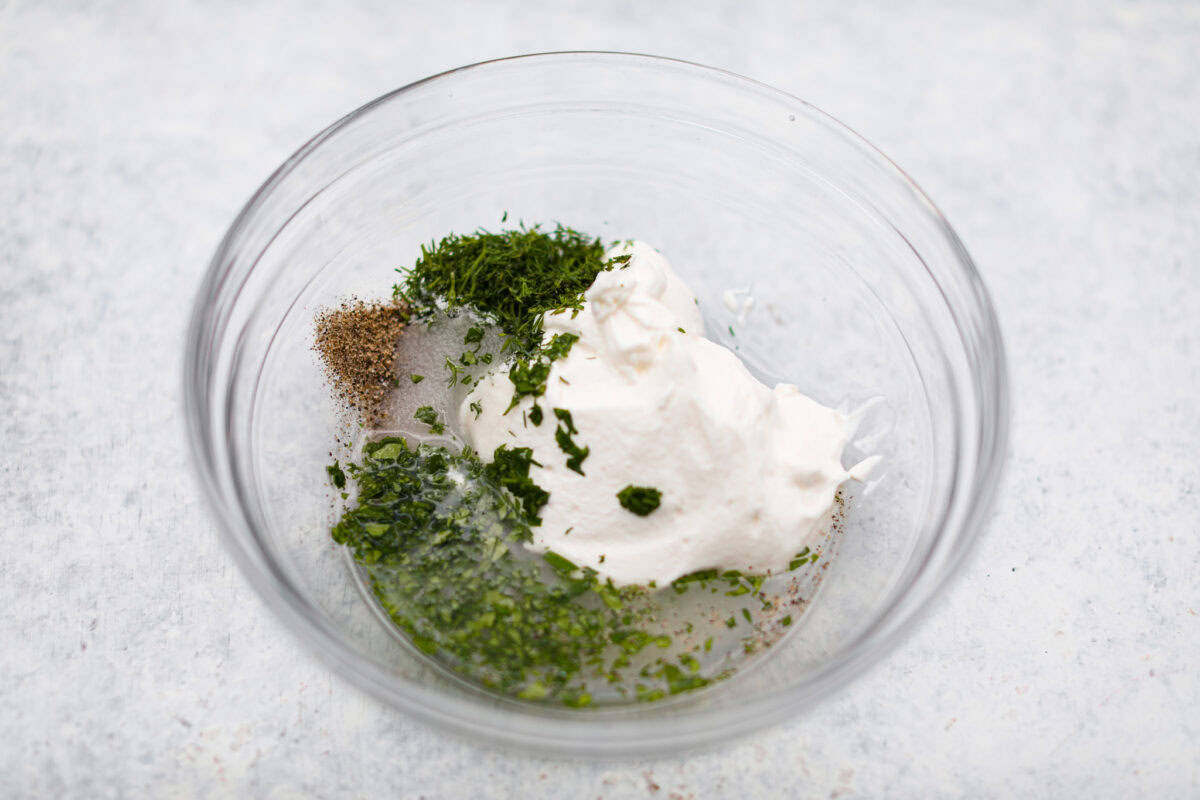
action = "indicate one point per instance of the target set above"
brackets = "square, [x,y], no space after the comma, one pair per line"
[748,474]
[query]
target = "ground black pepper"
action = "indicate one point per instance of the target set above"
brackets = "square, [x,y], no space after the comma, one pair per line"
[357,343]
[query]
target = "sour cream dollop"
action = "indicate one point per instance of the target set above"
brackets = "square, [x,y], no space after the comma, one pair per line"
[748,474]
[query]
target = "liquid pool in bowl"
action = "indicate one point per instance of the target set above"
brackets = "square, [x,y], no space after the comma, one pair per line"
[863,292]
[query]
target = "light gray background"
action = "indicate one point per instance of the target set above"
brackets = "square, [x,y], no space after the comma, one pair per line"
[1061,140]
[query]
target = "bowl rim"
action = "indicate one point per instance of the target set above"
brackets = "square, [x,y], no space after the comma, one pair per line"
[576,735]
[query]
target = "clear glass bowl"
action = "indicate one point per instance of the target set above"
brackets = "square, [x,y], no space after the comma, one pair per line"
[863,292]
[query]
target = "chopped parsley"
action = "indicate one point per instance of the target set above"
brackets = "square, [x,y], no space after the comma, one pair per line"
[510,469]
[427,415]
[416,378]
[805,556]
[560,344]
[435,536]
[336,475]
[640,500]
[563,434]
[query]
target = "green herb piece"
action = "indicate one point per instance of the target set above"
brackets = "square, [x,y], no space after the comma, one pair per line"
[640,500]
[477,408]
[416,378]
[560,345]
[529,375]
[455,369]
[559,563]
[427,415]
[746,614]
[678,682]
[535,415]
[512,277]
[805,556]
[434,536]
[510,469]
[336,475]
[708,644]
[389,449]
[564,417]
[474,335]
[562,435]
[528,378]
[731,622]
[681,330]
[680,584]
[786,621]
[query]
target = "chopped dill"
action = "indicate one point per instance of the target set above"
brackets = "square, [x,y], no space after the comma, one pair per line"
[512,277]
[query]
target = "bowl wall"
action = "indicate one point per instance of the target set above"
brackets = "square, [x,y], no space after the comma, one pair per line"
[863,297]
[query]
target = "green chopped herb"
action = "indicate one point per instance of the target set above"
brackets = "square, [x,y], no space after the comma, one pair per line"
[529,375]
[336,475]
[477,408]
[528,378]
[640,500]
[805,556]
[786,620]
[535,415]
[416,378]
[427,415]
[510,469]
[474,335]
[560,345]
[512,277]
[437,553]
[562,436]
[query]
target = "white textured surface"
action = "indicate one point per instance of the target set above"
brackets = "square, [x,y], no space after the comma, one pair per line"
[1060,139]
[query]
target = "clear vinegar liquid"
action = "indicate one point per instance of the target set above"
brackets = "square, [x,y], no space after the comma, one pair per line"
[716,628]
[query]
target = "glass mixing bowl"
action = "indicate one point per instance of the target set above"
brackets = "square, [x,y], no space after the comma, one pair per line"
[863,295]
